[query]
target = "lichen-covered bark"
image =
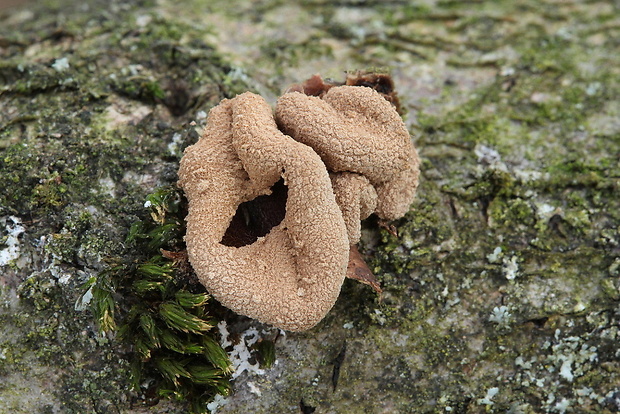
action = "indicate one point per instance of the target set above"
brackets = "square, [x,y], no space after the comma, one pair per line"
[500,293]
[95,102]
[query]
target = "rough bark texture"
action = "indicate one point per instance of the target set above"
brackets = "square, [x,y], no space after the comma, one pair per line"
[502,289]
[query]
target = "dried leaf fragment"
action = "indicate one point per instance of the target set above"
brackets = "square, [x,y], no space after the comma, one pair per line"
[357,269]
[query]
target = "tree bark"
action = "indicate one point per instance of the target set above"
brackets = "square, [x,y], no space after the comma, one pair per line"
[500,292]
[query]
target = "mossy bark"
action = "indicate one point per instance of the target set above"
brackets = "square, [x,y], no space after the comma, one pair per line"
[501,291]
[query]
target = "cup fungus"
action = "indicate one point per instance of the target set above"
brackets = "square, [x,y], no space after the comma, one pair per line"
[275,209]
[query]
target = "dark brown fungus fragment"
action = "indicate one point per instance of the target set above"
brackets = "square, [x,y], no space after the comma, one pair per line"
[357,269]
[337,364]
[380,82]
[313,86]
[306,408]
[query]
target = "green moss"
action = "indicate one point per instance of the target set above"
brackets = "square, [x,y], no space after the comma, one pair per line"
[164,315]
[162,30]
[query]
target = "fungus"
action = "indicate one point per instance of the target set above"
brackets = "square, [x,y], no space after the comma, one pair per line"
[275,208]
[359,135]
[291,276]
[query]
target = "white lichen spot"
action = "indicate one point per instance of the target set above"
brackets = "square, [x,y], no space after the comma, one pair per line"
[143,20]
[545,211]
[61,64]
[487,399]
[240,355]
[507,71]
[510,268]
[223,329]
[126,113]
[528,176]
[454,301]
[565,33]
[64,278]
[12,231]
[487,155]
[571,357]
[133,70]
[588,353]
[218,401]
[565,369]
[542,97]
[379,317]
[593,88]
[238,74]
[579,307]
[586,392]
[561,406]
[500,315]
[520,362]
[494,257]
[254,389]
[83,302]
[175,145]
[108,186]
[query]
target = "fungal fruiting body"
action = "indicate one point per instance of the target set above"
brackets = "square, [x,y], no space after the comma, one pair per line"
[275,208]
[356,131]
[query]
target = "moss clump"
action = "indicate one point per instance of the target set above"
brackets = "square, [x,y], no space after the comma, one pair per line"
[161,311]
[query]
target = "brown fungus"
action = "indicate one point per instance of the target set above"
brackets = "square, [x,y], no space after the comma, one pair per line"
[273,219]
[291,276]
[358,133]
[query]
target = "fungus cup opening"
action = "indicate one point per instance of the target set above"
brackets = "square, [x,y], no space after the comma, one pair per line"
[256,218]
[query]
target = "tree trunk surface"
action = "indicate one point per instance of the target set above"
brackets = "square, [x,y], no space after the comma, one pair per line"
[502,289]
